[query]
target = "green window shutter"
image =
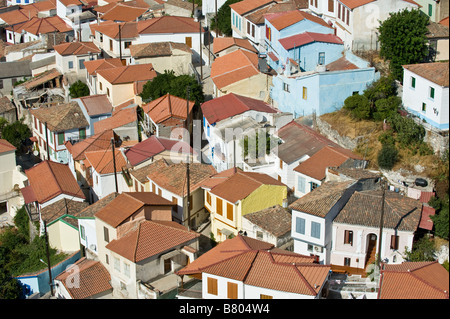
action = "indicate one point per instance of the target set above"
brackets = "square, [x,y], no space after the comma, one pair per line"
[432,92]
[61,138]
[413,82]
[430,10]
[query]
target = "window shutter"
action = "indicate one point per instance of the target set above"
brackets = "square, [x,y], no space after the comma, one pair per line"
[230,211]
[300,225]
[301,184]
[315,230]
[394,242]
[212,286]
[219,206]
[232,290]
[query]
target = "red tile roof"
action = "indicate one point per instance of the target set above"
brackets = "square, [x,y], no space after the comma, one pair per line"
[103,161]
[436,72]
[425,221]
[122,117]
[94,65]
[414,280]
[151,238]
[49,179]
[243,7]
[308,37]
[329,156]
[6,146]
[230,105]
[123,13]
[281,20]
[239,184]
[126,204]
[259,264]
[445,22]
[169,24]
[128,73]
[167,107]
[234,67]
[91,276]
[96,104]
[97,142]
[76,48]
[45,25]
[128,30]
[341,64]
[352,4]
[154,145]
[221,44]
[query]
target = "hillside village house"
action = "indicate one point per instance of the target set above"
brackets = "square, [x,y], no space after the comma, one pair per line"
[130,220]
[165,115]
[238,72]
[77,15]
[53,126]
[70,58]
[438,40]
[49,182]
[12,72]
[225,45]
[7,109]
[310,60]
[227,119]
[246,268]
[95,107]
[356,22]
[123,121]
[170,182]
[426,93]
[233,193]
[163,56]
[91,71]
[123,83]
[436,10]
[122,12]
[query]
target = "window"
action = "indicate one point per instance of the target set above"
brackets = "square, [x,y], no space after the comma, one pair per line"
[430,9]
[175,200]
[285,87]
[431,92]
[232,289]
[219,205]
[1,84]
[310,247]
[343,13]
[127,44]
[105,234]
[81,64]
[330,5]
[70,64]
[117,264]
[315,230]
[394,242]
[313,186]
[281,164]
[413,82]
[212,286]
[248,28]
[424,107]
[230,211]
[339,10]
[347,261]
[253,30]
[40,127]
[82,133]
[110,45]
[126,269]
[348,237]
[268,34]
[188,41]
[107,259]
[300,225]
[60,138]
[305,93]
[259,234]
[82,232]
[107,91]
[301,184]
[321,58]
[261,296]
[348,17]
[208,198]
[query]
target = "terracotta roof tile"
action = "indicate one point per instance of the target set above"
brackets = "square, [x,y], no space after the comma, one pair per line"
[92,209]
[241,184]
[123,117]
[425,221]
[97,142]
[128,30]
[444,22]
[243,7]
[45,25]
[169,24]
[126,204]
[123,13]
[61,117]
[99,64]
[62,207]
[281,20]
[275,220]
[221,44]
[414,280]
[157,49]
[96,104]
[6,146]
[103,161]
[257,16]
[233,67]
[92,276]
[364,209]
[308,37]
[329,156]
[128,73]
[173,177]
[76,48]
[436,72]
[42,78]
[151,238]
[352,4]
[49,179]
[230,105]
[141,173]
[341,64]
[166,107]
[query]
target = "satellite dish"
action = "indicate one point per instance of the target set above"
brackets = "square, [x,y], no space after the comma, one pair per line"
[35,153]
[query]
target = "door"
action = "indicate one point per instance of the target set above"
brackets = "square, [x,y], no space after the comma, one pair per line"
[167,265]
[371,248]
[189,42]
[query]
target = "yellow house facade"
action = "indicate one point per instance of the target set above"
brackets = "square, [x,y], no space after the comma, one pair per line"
[226,215]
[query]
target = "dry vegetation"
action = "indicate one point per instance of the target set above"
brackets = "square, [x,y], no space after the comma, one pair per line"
[369,146]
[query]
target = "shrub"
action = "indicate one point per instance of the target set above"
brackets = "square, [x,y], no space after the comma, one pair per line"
[388,156]
[78,89]
[383,88]
[408,132]
[358,105]
[386,107]
[386,138]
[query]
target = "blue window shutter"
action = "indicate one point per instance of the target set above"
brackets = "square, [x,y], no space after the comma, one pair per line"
[315,230]
[300,225]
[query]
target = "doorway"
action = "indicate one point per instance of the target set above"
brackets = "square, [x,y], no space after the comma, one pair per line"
[371,248]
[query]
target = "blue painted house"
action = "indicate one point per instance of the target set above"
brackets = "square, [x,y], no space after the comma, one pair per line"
[314,72]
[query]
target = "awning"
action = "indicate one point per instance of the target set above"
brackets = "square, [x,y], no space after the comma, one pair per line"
[425,220]
[226,232]
[272,56]
[28,194]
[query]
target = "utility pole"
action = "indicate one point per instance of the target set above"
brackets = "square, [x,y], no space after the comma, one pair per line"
[215,18]
[50,280]
[188,202]
[383,194]
[46,141]
[114,162]
[201,49]
[120,43]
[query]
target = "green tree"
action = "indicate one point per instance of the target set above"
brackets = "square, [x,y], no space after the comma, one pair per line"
[440,219]
[359,106]
[423,250]
[386,107]
[408,132]
[383,88]
[224,19]
[403,39]
[168,82]
[16,133]
[10,288]
[387,157]
[78,89]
